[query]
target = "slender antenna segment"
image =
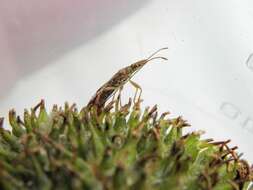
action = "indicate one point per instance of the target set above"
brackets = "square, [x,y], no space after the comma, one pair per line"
[156,52]
[164,58]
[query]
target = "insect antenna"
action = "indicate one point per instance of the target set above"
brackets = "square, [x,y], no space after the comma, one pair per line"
[149,58]
[164,58]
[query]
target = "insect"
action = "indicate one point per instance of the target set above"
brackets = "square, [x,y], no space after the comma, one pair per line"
[119,79]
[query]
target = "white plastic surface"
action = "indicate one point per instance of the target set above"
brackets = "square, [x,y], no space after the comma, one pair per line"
[64,50]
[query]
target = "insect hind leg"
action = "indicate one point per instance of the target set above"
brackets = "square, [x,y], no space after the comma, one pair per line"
[137,87]
[119,90]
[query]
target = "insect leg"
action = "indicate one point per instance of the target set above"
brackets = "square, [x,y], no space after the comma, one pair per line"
[118,99]
[136,90]
[120,90]
[137,87]
[114,94]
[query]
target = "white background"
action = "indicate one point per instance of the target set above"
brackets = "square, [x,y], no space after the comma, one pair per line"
[64,50]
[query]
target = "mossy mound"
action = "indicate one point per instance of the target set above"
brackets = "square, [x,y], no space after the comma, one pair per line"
[123,147]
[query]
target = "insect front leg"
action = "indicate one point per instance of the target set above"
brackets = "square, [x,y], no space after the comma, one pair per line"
[119,95]
[118,99]
[137,87]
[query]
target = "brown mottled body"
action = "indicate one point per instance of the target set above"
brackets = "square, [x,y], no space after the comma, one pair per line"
[117,81]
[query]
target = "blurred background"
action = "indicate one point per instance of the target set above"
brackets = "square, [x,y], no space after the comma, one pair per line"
[63,50]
